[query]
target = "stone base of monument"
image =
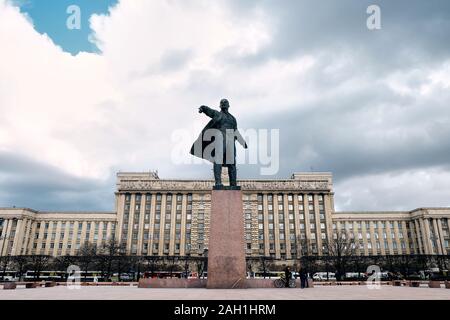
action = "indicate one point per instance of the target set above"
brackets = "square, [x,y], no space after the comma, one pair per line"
[171,283]
[226,250]
[9,286]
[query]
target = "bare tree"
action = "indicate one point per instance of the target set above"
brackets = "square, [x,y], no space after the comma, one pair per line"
[86,255]
[339,250]
[38,263]
[61,264]
[109,252]
[5,261]
[20,264]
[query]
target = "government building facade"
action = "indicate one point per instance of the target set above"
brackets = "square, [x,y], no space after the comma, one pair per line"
[171,218]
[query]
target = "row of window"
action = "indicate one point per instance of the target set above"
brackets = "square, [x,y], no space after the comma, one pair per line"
[148,197]
[290,197]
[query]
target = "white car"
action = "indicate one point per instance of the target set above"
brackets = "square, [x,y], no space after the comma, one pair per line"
[322,276]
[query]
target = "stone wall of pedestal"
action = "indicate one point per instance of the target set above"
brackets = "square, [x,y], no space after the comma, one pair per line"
[226,252]
[171,283]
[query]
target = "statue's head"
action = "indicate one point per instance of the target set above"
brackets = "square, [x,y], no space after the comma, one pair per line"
[224,104]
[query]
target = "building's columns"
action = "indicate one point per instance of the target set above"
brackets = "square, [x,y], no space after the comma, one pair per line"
[76,228]
[425,236]
[287,229]
[130,222]
[120,212]
[31,239]
[318,229]
[276,226]
[418,235]
[140,230]
[47,241]
[109,234]
[163,225]
[441,235]
[18,238]
[307,222]
[183,225]
[364,232]
[372,238]
[381,239]
[297,242]
[152,223]
[57,238]
[438,236]
[66,231]
[389,233]
[428,236]
[26,236]
[406,239]
[328,208]
[5,237]
[173,222]
[266,225]
[397,237]
[255,223]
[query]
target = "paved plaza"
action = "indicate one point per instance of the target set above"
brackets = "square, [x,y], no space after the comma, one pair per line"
[318,293]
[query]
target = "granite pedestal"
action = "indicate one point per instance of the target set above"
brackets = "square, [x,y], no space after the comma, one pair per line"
[226,252]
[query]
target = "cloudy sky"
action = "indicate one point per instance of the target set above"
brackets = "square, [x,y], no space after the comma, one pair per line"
[371,106]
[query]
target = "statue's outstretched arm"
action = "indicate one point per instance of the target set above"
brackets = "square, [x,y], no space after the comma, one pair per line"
[208,111]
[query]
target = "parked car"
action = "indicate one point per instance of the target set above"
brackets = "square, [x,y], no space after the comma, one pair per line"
[322,276]
[9,276]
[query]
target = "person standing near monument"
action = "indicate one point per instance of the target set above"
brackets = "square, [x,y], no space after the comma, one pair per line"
[287,276]
[303,278]
[216,142]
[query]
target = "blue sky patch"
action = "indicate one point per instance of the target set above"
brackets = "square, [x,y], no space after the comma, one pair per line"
[50,17]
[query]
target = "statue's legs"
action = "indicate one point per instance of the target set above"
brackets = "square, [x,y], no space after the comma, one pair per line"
[232,174]
[218,173]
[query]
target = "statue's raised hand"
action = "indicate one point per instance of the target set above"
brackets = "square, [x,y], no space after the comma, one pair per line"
[201,109]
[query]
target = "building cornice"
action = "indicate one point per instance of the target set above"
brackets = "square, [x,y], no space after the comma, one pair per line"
[206,185]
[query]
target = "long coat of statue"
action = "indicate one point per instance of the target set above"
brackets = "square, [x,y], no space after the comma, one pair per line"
[224,124]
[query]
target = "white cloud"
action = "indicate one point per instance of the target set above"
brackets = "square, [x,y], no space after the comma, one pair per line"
[90,114]
[400,190]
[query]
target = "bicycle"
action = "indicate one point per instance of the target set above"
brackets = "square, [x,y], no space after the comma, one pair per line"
[281,282]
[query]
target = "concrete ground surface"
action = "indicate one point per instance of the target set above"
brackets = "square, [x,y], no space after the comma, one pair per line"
[317,293]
